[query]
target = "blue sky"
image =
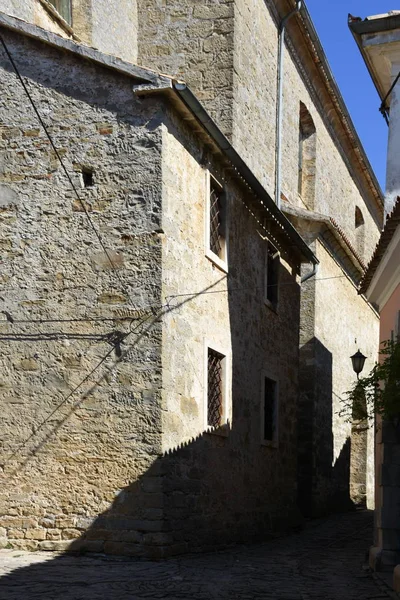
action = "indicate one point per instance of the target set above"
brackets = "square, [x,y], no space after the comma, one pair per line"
[362,100]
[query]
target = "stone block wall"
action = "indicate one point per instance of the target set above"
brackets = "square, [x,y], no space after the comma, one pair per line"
[79,422]
[227,53]
[328,339]
[193,41]
[225,486]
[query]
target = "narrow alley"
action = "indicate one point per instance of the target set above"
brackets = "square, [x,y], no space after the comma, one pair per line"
[324,561]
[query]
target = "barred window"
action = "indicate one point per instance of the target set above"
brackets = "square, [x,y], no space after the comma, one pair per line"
[215,391]
[271,283]
[216,223]
[270,411]
[64,8]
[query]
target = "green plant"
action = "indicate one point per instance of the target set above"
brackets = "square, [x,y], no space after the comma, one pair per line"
[379,392]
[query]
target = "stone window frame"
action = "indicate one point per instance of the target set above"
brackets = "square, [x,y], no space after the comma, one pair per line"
[274,442]
[268,274]
[220,262]
[307,157]
[226,389]
[56,15]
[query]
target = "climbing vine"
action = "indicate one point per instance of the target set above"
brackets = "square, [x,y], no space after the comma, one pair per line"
[379,392]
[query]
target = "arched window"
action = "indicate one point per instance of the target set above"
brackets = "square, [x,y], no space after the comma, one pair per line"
[360,231]
[307,157]
[359,219]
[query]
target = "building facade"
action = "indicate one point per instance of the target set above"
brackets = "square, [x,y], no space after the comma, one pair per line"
[378,39]
[228,52]
[106,442]
[151,315]
[381,284]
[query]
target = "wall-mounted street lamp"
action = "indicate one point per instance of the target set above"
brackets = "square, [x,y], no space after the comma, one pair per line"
[358,359]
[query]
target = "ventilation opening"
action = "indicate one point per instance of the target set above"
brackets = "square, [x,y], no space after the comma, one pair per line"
[87,178]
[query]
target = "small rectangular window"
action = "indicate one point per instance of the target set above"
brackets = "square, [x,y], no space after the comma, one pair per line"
[87,178]
[64,8]
[215,389]
[270,411]
[216,223]
[271,282]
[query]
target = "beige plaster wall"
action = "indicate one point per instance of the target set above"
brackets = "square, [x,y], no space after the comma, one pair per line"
[344,322]
[254,123]
[109,25]
[217,490]
[389,314]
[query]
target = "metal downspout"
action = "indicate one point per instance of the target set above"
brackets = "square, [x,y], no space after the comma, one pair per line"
[279,108]
[312,273]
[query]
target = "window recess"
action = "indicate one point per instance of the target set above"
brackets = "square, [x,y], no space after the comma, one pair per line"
[269,421]
[215,389]
[216,223]
[271,276]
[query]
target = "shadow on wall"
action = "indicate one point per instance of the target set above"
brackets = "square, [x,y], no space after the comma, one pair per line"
[323,485]
[168,510]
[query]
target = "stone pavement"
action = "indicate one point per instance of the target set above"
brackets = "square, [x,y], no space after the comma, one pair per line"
[325,561]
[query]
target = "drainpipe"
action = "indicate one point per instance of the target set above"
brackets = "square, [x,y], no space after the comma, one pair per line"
[279,108]
[312,273]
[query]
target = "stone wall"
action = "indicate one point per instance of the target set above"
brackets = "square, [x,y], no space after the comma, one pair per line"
[193,41]
[227,53]
[342,325]
[109,25]
[173,40]
[79,423]
[227,485]
[330,456]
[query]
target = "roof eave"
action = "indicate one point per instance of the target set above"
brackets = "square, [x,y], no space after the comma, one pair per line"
[370,67]
[188,98]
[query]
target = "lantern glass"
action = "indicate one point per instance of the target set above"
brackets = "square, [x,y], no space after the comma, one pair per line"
[358,359]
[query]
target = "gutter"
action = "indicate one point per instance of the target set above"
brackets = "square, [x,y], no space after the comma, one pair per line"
[190,100]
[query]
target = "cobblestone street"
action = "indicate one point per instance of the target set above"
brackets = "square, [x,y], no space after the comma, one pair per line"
[324,561]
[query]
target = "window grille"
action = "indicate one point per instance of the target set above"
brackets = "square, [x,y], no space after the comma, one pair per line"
[216,220]
[272,275]
[270,411]
[215,388]
[64,8]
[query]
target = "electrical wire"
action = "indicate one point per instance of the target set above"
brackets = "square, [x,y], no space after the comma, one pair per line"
[72,392]
[49,137]
[166,305]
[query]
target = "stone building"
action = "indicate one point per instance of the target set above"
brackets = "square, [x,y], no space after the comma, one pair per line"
[378,38]
[131,323]
[228,52]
